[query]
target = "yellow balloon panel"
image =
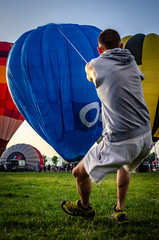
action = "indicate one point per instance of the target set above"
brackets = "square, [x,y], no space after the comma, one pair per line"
[125,39]
[149,57]
[151,101]
[150,68]
[157,133]
[150,53]
[151,82]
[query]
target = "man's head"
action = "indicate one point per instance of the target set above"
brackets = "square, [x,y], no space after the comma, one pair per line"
[109,39]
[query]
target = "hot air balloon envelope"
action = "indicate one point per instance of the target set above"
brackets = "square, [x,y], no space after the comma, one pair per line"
[145,49]
[47,79]
[10,117]
[23,152]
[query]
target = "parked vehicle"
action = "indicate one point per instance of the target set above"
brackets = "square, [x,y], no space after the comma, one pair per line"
[15,165]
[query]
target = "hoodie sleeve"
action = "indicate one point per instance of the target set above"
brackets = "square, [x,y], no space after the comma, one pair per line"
[100,72]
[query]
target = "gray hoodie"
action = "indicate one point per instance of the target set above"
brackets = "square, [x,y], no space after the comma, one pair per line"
[119,87]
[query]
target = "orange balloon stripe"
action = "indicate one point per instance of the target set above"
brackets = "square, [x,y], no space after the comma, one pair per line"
[3,74]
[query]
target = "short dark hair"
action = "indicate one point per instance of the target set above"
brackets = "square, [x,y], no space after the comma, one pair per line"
[109,38]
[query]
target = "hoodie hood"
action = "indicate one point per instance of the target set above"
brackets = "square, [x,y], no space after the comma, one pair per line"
[118,54]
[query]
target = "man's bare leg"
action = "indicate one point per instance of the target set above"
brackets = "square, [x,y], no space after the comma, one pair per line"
[123,179]
[83,182]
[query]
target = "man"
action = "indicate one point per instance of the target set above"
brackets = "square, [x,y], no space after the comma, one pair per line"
[126,126]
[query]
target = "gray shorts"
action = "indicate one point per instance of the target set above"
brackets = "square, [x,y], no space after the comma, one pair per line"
[108,157]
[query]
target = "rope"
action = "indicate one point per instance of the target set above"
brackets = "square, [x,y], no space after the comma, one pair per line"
[72,46]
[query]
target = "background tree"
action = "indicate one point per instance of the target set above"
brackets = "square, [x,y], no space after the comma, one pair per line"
[45,158]
[54,160]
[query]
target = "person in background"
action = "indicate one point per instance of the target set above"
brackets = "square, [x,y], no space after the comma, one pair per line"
[39,167]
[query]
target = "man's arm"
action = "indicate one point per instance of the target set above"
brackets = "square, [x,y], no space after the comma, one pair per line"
[90,71]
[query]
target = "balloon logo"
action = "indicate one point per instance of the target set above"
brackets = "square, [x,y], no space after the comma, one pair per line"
[145,49]
[47,80]
[10,118]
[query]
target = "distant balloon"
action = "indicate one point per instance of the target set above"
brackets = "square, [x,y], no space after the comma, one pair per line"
[10,118]
[26,152]
[47,80]
[145,49]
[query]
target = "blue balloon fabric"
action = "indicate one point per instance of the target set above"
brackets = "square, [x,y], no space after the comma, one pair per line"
[47,80]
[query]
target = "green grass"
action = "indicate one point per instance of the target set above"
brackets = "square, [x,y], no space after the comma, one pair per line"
[30,208]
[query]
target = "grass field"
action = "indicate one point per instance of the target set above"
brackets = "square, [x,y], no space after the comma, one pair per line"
[30,208]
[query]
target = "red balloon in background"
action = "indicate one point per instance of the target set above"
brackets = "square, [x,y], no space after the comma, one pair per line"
[10,117]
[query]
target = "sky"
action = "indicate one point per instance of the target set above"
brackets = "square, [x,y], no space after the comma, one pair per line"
[128,17]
